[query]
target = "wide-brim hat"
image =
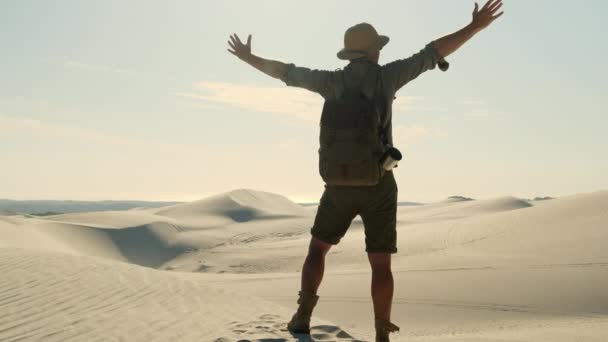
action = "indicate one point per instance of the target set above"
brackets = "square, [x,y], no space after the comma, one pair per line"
[361,40]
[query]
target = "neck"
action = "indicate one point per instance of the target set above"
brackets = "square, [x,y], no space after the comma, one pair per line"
[361,60]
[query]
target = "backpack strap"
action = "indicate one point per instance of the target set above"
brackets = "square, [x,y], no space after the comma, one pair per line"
[376,92]
[339,84]
[365,87]
[372,87]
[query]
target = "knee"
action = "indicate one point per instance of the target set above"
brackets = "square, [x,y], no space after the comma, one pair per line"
[315,254]
[317,250]
[380,262]
[381,269]
[384,271]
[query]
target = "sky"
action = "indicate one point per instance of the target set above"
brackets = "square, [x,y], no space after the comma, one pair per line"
[140,99]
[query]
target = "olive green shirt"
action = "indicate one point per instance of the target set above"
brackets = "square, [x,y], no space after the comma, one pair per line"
[394,75]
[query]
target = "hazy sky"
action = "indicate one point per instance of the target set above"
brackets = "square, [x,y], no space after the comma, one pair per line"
[140,99]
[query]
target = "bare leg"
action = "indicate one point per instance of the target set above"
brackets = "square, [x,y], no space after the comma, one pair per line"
[312,274]
[314,265]
[382,284]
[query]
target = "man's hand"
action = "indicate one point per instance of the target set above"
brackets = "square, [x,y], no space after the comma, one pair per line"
[488,13]
[271,68]
[481,19]
[242,51]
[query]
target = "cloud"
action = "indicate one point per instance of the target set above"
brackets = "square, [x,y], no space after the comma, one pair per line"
[405,135]
[294,103]
[23,126]
[475,108]
[480,113]
[405,103]
[28,128]
[414,104]
[473,101]
[96,68]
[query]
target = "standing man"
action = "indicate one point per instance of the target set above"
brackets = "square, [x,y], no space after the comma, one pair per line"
[376,204]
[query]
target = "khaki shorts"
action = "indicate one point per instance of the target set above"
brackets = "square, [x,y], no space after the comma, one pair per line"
[377,206]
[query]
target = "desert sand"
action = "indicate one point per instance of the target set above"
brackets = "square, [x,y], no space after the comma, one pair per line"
[225,268]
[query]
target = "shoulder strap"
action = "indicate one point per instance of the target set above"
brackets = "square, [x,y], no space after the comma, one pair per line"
[372,87]
[381,104]
[341,86]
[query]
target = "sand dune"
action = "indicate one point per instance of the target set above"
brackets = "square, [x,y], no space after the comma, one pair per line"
[5,212]
[238,206]
[500,269]
[457,208]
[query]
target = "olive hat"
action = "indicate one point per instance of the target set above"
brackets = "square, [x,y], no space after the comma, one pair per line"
[360,40]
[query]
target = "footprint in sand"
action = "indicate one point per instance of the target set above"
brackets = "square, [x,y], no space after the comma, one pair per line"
[272,328]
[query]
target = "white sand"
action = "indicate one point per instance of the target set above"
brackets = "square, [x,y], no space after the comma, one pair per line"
[226,268]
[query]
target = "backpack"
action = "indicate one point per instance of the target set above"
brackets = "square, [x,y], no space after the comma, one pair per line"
[353,138]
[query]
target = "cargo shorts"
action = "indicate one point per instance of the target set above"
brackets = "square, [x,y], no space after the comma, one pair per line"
[377,206]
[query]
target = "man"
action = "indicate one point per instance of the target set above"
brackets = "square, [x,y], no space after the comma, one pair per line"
[377,204]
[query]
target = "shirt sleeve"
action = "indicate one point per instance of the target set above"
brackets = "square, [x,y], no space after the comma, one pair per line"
[318,81]
[401,71]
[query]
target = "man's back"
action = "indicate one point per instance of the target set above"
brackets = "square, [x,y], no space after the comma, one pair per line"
[394,75]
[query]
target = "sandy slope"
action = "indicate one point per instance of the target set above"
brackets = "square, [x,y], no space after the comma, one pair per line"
[48,296]
[519,272]
[491,270]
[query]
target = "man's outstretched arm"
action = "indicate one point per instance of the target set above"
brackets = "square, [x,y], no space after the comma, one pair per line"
[314,80]
[271,68]
[405,70]
[445,46]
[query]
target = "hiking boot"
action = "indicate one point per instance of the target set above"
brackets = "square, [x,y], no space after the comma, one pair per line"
[383,328]
[300,322]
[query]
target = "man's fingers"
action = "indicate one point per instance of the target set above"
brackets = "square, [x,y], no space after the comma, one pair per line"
[476,8]
[234,42]
[238,39]
[488,3]
[232,45]
[498,15]
[249,40]
[495,7]
[232,52]
[494,11]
